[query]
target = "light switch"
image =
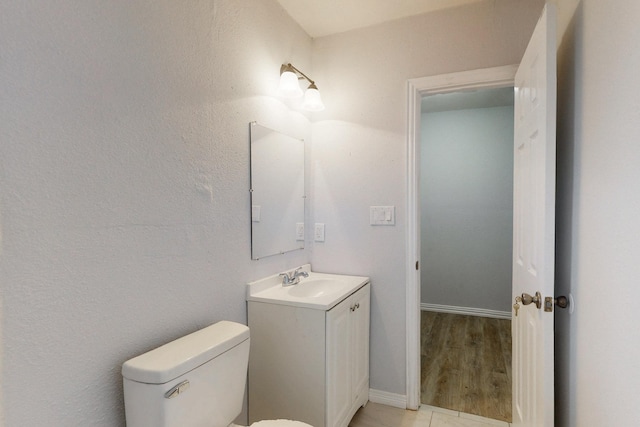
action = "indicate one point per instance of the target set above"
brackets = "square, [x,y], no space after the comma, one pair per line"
[382,215]
[318,232]
[299,230]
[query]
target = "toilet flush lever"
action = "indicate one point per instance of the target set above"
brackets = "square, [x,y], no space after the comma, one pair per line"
[177,389]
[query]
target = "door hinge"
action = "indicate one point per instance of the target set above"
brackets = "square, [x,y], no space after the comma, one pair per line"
[417,265]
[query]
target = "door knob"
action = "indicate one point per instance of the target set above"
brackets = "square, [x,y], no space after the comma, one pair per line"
[561,301]
[528,299]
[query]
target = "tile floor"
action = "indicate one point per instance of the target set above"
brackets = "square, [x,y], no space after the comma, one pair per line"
[377,415]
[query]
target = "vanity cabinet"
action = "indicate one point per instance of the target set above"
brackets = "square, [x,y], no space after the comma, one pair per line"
[308,364]
[347,358]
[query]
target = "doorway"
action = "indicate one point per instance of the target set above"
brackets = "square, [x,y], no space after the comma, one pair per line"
[466,200]
[417,88]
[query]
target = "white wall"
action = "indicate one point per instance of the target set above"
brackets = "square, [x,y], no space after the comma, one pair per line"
[466,198]
[598,346]
[124,156]
[359,146]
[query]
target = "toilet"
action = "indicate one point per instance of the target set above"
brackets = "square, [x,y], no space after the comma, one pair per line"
[195,381]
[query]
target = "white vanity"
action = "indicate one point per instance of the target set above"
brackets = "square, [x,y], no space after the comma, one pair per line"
[309,357]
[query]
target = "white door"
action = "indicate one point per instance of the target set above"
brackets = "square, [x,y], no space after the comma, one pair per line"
[534,225]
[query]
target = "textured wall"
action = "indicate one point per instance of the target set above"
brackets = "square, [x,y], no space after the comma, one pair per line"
[124,157]
[598,346]
[359,145]
[466,197]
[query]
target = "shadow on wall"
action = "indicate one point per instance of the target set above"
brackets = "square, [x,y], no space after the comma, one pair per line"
[569,107]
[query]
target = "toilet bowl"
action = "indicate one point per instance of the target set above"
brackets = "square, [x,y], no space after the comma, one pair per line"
[195,381]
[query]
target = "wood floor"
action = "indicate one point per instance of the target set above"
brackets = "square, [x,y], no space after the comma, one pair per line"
[466,364]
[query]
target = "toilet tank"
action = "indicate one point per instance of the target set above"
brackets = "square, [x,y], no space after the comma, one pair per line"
[195,381]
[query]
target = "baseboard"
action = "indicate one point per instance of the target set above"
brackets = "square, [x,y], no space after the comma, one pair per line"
[389,399]
[482,312]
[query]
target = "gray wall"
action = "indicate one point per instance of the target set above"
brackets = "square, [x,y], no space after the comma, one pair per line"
[598,227]
[466,192]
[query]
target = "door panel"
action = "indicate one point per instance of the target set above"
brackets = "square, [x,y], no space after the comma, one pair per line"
[360,341]
[339,372]
[534,225]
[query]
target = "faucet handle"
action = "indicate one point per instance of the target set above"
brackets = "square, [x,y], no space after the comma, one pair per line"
[300,272]
[286,279]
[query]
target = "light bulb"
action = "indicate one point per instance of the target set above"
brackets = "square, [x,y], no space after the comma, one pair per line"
[289,86]
[312,100]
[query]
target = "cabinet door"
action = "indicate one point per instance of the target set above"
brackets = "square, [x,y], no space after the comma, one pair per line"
[360,346]
[339,376]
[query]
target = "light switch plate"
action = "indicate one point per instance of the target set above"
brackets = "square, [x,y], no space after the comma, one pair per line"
[299,230]
[382,215]
[318,232]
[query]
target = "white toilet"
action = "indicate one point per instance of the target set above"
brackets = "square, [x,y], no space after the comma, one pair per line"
[195,381]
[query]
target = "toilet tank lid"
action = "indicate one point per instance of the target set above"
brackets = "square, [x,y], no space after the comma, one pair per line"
[178,357]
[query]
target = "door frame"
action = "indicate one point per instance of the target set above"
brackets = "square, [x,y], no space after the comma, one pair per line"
[485,78]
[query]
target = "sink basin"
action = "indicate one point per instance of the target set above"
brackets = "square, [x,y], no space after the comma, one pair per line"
[320,291]
[315,288]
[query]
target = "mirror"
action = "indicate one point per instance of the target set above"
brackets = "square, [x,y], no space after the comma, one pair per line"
[277,192]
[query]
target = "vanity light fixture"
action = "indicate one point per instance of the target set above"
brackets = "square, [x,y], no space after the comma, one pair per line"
[290,88]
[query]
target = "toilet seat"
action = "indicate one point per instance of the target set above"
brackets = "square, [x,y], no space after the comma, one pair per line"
[279,423]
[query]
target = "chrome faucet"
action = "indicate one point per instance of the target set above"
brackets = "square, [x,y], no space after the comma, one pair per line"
[293,277]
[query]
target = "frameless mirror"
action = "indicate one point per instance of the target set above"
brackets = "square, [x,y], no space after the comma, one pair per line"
[277,192]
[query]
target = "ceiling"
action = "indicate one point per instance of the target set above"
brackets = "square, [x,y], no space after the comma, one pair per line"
[323,17]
